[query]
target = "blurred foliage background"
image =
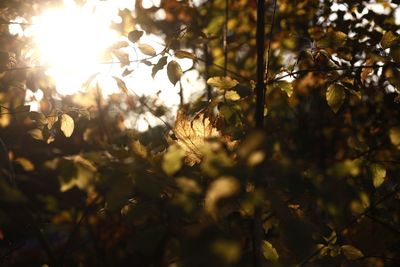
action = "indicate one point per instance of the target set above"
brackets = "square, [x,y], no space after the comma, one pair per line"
[79,188]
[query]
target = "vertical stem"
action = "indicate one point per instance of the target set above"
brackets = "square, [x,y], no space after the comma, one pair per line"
[226,37]
[259,118]
[260,39]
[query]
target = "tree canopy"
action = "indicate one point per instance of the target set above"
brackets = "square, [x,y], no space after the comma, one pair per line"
[288,153]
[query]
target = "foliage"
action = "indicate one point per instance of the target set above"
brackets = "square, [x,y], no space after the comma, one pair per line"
[77,187]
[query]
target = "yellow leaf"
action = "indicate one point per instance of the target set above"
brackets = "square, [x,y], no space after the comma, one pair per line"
[25,163]
[394,135]
[378,174]
[192,136]
[172,161]
[222,83]
[36,134]
[351,253]
[269,252]
[232,95]
[223,187]
[67,125]
[335,96]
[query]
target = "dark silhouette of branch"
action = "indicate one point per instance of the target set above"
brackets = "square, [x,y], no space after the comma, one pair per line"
[225,40]
[352,222]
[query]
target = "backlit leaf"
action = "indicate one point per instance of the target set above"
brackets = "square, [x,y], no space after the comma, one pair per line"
[222,83]
[223,187]
[159,66]
[174,72]
[232,95]
[378,172]
[185,54]
[394,135]
[135,35]
[67,125]
[192,136]
[36,134]
[172,161]
[269,252]
[351,253]
[335,96]
[121,85]
[147,49]
[389,39]
[25,163]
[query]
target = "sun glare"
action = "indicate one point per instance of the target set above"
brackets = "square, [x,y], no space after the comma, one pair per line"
[71,40]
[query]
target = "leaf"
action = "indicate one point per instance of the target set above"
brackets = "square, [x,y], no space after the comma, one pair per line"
[121,85]
[192,136]
[159,66]
[222,83]
[332,39]
[172,161]
[394,135]
[122,57]
[52,119]
[67,125]
[185,54]
[269,252]
[223,187]
[25,163]
[21,112]
[232,95]
[120,44]
[285,86]
[126,72]
[389,39]
[135,35]
[174,72]
[378,172]
[36,134]
[147,49]
[365,72]
[351,253]
[335,96]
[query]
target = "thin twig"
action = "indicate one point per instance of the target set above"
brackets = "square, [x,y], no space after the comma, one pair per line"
[352,222]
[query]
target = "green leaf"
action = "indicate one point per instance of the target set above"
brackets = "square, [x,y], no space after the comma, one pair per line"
[351,253]
[223,83]
[185,54]
[335,96]
[21,112]
[172,161]
[174,72]
[269,252]
[25,163]
[378,172]
[389,39]
[232,95]
[67,125]
[147,49]
[135,35]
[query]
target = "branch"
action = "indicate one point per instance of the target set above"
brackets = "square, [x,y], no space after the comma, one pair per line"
[291,74]
[352,222]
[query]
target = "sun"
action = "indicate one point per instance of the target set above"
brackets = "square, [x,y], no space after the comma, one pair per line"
[71,41]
